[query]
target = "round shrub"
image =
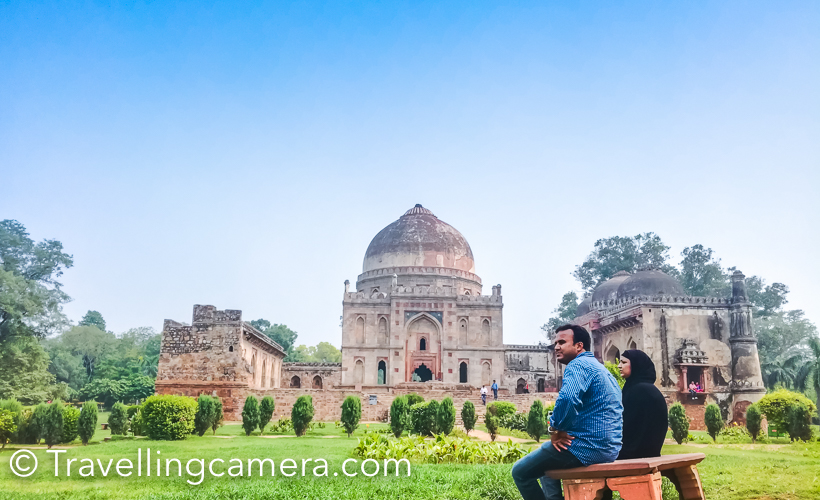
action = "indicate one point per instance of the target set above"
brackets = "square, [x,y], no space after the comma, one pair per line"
[87,423]
[501,409]
[118,419]
[204,417]
[414,399]
[679,422]
[446,417]
[301,414]
[266,408]
[516,421]
[250,415]
[71,418]
[16,409]
[168,417]
[713,420]
[351,414]
[468,416]
[132,410]
[753,421]
[398,415]
[536,424]
[422,419]
[798,421]
[775,404]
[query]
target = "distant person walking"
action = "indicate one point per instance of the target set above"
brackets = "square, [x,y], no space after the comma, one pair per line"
[494,387]
[484,395]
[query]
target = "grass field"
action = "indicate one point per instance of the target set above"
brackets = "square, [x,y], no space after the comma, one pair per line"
[730,471]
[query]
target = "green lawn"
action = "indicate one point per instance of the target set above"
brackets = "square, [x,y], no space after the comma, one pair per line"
[731,471]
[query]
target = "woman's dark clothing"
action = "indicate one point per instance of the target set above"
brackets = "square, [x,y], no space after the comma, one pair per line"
[645,413]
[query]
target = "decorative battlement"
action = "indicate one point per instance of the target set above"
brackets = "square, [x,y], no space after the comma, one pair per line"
[527,347]
[436,271]
[606,307]
[314,365]
[420,291]
[210,314]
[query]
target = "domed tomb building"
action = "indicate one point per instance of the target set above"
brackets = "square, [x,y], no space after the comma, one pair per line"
[418,315]
[707,341]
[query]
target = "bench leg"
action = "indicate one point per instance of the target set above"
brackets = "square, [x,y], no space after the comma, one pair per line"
[645,487]
[687,481]
[584,489]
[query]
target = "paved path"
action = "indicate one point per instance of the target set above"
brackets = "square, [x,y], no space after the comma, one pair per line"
[485,436]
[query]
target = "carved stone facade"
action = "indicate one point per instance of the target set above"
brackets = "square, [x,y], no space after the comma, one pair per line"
[686,337]
[418,314]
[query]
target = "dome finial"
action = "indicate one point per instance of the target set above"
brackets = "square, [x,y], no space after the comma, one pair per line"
[418,210]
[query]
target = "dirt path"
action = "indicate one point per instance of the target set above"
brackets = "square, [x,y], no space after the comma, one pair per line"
[485,436]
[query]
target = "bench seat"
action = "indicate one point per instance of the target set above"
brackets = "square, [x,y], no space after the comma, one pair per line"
[638,479]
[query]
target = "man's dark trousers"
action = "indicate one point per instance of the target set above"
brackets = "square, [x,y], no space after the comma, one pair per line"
[527,471]
[495,394]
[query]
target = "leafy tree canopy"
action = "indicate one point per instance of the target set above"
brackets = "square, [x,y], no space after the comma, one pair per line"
[93,318]
[563,314]
[324,352]
[30,295]
[280,334]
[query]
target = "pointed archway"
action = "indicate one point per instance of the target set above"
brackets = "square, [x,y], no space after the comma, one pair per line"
[423,373]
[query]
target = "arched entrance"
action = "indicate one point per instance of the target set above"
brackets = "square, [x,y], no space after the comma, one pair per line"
[462,373]
[317,382]
[295,382]
[382,375]
[613,355]
[541,386]
[358,372]
[520,386]
[486,373]
[423,373]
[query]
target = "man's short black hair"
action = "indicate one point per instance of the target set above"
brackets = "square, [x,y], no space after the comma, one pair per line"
[579,334]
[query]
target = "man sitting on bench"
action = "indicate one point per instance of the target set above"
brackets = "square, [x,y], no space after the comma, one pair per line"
[586,423]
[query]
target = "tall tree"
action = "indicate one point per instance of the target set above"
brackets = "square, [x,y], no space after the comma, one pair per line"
[808,376]
[93,318]
[324,352]
[563,314]
[623,253]
[701,274]
[280,334]
[30,296]
[24,370]
[90,343]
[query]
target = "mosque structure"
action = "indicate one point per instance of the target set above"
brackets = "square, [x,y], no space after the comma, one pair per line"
[703,342]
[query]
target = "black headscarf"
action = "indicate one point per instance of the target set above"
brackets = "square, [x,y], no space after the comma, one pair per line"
[645,415]
[643,369]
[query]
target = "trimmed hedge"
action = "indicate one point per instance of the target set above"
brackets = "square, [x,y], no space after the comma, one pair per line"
[351,413]
[414,399]
[168,417]
[753,421]
[266,409]
[423,418]
[713,420]
[71,417]
[678,422]
[118,419]
[219,417]
[446,417]
[399,415]
[205,412]
[468,416]
[51,425]
[536,421]
[501,409]
[250,415]
[301,414]
[775,405]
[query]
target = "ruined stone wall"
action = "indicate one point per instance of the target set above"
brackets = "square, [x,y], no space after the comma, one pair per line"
[329,375]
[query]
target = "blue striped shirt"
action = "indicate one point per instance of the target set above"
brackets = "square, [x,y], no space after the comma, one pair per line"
[589,408]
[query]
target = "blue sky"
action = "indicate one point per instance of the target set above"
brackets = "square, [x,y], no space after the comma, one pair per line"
[244,154]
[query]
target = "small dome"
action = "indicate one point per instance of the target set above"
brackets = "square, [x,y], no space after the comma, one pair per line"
[650,283]
[608,290]
[419,238]
[584,307]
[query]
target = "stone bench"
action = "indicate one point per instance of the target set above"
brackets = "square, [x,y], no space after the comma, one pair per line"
[637,479]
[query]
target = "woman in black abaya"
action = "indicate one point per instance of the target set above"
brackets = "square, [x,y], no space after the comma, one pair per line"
[645,413]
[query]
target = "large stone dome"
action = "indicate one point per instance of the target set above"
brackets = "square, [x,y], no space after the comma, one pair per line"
[608,290]
[419,238]
[650,283]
